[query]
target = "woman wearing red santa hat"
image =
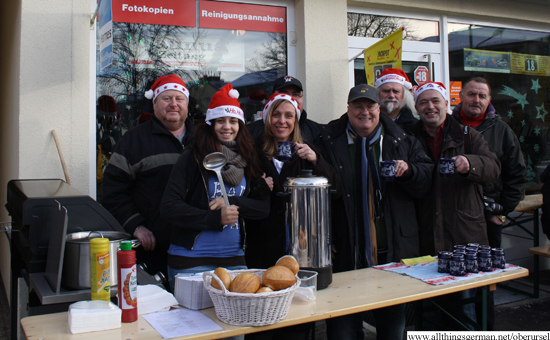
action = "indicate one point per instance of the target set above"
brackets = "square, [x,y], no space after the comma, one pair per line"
[206,233]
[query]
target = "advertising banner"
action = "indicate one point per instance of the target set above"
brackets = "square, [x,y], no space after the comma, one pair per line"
[105,34]
[487,61]
[530,64]
[455,88]
[159,12]
[384,54]
[237,16]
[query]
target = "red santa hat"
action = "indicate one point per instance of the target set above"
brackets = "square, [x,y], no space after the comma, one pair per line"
[283,96]
[431,85]
[224,103]
[393,75]
[165,83]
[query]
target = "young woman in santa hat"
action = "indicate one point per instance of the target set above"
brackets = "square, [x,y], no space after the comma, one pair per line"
[206,234]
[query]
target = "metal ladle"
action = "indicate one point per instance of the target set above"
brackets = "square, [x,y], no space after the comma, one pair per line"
[215,162]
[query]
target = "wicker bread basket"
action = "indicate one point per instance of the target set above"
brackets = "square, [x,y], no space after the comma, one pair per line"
[249,309]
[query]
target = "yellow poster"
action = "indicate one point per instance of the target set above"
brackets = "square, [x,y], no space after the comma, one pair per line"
[384,54]
[537,65]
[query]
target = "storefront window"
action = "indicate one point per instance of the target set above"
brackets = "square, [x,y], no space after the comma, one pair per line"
[379,26]
[516,64]
[205,58]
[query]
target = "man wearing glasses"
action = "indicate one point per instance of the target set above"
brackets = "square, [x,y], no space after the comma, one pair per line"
[374,219]
[309,129]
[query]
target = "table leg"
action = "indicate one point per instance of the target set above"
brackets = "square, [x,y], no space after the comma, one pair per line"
[484,308]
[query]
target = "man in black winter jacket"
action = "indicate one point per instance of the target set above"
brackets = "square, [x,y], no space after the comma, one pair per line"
[507,190]
[309,129]
[139,169]
[374,220]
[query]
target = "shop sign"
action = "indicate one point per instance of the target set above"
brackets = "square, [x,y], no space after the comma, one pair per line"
[105,34]
[486,61]
[382,55]
[455,88]
[237,16]
[188,54]
[159,12]
[530,64]
[421,75]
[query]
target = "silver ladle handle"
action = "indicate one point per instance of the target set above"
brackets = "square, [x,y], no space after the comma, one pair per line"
[222,187]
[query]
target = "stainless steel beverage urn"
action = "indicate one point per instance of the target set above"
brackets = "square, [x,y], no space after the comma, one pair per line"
[308,224]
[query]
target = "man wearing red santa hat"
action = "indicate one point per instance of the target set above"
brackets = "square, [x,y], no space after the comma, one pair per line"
[396,98]
[140,167]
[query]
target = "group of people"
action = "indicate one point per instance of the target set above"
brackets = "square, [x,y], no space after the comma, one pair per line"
[157,187]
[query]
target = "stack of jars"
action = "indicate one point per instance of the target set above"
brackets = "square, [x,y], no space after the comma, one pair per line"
[471,258]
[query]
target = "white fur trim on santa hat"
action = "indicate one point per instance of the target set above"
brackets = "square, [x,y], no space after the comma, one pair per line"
[166,87]
[431,86]
[224,111]
[277,96]
[393,78]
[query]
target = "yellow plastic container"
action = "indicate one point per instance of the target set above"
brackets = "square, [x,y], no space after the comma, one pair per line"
[100,269]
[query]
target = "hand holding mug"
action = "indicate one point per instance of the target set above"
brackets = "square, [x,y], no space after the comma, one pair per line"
[462,165]
[304,152]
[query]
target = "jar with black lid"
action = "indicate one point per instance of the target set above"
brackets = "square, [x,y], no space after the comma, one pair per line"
[443,261]
[497,256]
[484,261]
[471,262]
[457,266]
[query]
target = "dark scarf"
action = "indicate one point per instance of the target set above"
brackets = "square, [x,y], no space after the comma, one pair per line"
[233,171]
[368,170]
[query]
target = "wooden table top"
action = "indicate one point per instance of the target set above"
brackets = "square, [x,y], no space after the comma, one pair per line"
[530,203]
[541,250]
[350,292]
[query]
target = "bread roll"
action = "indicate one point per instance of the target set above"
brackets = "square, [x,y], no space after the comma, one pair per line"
[264,290]
[290,262]
[245,283]
[278,277]
[224,276]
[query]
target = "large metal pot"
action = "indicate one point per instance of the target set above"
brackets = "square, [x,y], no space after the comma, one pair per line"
[76,263]
[308,220]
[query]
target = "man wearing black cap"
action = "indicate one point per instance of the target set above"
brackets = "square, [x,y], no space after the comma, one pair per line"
[289,85]
[374,220]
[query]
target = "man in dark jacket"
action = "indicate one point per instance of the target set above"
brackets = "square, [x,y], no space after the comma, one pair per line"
[374,221]
[309,129]
[140,167]
[452,212]
[476,111]
[396,99]
[507,190]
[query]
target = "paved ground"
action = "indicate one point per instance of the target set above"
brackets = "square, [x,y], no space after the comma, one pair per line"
[515,312]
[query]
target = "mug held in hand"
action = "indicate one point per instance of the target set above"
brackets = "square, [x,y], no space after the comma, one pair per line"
[286,149]
[387,170]
[446,167]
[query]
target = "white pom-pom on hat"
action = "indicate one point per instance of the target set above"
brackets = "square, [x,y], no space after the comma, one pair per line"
[149,94]
[233,93]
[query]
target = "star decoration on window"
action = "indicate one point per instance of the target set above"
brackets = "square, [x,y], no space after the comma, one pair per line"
[521,98]
[521,139]
[510,114]
[536,130]
[536,148]
[535,87]
[523,123]
[541,112]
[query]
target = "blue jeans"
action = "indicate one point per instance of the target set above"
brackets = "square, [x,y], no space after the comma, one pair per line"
[194,270]
[390,325]
[199,269]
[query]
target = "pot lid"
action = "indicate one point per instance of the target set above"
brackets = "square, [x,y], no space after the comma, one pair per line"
[86,236]
[307,180]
